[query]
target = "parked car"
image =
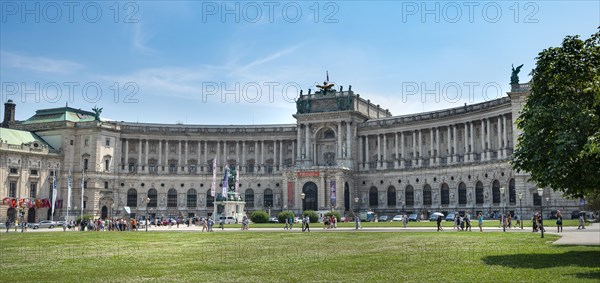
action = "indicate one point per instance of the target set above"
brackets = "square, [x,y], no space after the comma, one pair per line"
[43,224]
[383,218]
[450,217]
[231,220]
[298,219]
[398,218]
[413,217]
[575,214]
[273,220]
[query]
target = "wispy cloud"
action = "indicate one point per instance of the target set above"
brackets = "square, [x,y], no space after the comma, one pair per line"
[37,63]
[140,38]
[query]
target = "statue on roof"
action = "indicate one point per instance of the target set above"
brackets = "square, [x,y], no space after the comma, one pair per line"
[514,78]
[97,112]
[326,85]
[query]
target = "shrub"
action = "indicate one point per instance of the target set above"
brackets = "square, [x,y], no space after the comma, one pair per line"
[314,218]
[259,216]
[282,216]
[337,215]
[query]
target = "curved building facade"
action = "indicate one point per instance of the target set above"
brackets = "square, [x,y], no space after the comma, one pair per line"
[343,153]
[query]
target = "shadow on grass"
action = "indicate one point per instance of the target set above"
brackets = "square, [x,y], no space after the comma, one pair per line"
[588,275]
[571,258]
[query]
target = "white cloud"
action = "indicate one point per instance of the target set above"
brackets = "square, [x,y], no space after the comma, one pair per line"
[38,64]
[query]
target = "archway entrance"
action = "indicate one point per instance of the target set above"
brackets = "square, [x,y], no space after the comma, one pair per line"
[104,213]
[31,215]
[310,201]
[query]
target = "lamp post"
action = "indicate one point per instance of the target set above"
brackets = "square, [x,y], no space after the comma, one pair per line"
[540,193]
[303,195]
[521,209]
[146,218]
[502,217]
[356,221]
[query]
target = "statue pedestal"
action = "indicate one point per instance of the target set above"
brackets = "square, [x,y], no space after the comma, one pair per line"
[229,208]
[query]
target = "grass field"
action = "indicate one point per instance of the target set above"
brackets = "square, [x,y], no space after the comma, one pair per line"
[292,257]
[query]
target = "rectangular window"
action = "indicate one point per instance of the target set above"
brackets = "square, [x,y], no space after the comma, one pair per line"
[85,164]
[12,189]
[107,141]
[33,190]
[14,170]
[85,184]
[106,165]
[86,141]
[71,142]
[106,185]
[33,172]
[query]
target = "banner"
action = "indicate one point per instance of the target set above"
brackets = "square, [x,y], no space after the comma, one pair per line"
[332,191]
[69,187]
[225,182]
[53,194]
[213,187]
[237,180]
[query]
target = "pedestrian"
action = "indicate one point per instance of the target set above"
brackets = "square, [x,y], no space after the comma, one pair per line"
[480,221]
[7,224]
[356,221]
[211,222]
[286,224]
[581,220]
[306,223]
[222,223]
[291,221]
[439,223]
[245,223]
[468,221]
[559,219]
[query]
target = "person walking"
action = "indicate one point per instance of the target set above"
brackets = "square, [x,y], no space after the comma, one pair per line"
[480,222]
[581,220]
[286,224]
[7,224]
[439,223]
[559,219]
[291,220]
[306,223]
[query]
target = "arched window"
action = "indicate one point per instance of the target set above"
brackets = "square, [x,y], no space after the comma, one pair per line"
[512,192]
[172,198]
[249,198]
[479,192]
[268,198]
[132,198]
[391,196]
[445,192]
[373,197]
[537,199]
[192,198]
[153,195]
[427,195]
[496,192]
[409,195]
[462,193]
[210,200]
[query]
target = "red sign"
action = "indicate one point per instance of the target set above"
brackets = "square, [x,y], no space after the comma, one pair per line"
[308,174]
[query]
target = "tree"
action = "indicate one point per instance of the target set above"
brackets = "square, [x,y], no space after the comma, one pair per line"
[560,144]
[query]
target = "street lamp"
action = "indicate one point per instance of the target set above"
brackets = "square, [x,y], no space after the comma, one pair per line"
[540,193]
[502,204]
[521,209]
[356,223]
[303,195]
[146,218]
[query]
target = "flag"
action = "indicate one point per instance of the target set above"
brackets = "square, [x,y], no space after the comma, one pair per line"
[214,179]
[237,179]
[53,193]
[225,181]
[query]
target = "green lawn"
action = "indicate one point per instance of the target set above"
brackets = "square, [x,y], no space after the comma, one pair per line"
[292,257]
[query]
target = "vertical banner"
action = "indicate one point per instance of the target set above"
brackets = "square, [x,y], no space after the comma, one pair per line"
[237,180]
[290,194]
[214,178]
[332,191]
[225,182]
[53,194]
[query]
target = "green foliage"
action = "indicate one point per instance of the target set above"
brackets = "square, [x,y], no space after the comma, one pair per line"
[560,144]
[337,215]
[282,216]
[86,217]
[259,216]
[312,215]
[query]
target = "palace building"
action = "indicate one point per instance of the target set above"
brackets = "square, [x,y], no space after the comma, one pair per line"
[343,153]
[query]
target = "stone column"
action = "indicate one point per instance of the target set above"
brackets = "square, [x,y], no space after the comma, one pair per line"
[402,150]
[306,141]
[378,159]
[244,156]
[146,156]
[339,140]
[126,161]
[431,155]
[396,150]
[185,158]
[367,152]
[298,135]
[237,152]
[294,154]
[159,154]
[505,135]
[472,151]
[348,140]
[455,143]
[437,145]
[488,139]
[465,135]
[167,153]
[139,151]
[262,155]
[361,159]
[448,149]
[499,133]
[275,161]
[420,152]
[482,140]
[385,156]
[281,151]
[256,163]
[206,153]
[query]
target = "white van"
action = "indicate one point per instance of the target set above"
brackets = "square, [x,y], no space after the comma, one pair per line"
[228,220]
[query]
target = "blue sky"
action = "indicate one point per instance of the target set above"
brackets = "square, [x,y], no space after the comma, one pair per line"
[244,62]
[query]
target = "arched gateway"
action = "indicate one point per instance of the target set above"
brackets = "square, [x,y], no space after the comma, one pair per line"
[310,201]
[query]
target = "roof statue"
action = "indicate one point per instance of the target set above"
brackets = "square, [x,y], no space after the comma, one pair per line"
[97,112]
[326,85]
[514,77]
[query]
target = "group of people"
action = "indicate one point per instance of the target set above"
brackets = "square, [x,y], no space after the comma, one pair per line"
[329,222]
